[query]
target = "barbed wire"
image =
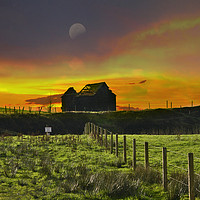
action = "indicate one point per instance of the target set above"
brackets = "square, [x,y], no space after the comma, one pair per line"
[155,166]
[178,167]
[159,147]
[177,152]
[138,143]
[178,181]
[156,159]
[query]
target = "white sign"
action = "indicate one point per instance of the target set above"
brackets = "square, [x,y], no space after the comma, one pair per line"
[48,129]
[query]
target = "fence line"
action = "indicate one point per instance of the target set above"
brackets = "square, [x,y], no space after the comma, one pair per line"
[156,147]
[177,153]
[178,181]
[91,128]
[178,167]
[23,109]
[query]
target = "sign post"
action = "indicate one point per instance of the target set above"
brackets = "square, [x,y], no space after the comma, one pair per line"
[48,130]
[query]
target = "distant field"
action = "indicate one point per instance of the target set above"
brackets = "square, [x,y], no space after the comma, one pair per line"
[76,167]
[158,121]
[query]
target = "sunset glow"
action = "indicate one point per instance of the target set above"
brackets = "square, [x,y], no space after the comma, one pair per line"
[153,57]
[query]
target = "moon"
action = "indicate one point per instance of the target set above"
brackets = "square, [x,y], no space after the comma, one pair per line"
[76,30]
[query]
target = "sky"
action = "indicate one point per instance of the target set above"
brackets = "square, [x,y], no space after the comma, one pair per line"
[147,51]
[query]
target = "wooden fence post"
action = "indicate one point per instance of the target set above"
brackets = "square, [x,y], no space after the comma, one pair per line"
[97,133]
[146,150]
[134,154]
[191,176]
[94,128]
[101,133]
[116,145]
[125,149]
[111,142]
[89,128]
[92,131]
[86,128]
[164,168]
[106,139]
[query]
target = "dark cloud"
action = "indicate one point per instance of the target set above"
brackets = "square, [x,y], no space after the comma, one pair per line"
[45,100]
[39,29]
[142,81]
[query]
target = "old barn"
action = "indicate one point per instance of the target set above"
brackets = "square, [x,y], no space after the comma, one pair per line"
[93,97]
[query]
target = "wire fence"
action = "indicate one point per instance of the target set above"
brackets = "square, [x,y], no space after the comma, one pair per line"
[31,110]
[148,159]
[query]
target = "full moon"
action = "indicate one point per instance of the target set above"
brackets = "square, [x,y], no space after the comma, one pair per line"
[76,30]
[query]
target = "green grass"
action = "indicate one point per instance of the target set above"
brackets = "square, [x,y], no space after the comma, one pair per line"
[178,147]
[76,167]
[65,167]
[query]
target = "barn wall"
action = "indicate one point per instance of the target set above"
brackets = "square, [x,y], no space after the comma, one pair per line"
[68,103]
[103,100]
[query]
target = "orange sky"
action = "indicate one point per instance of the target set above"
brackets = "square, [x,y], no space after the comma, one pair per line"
[164,52]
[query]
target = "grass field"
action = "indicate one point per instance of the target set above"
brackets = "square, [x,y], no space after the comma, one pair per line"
[76,167]
[178,147]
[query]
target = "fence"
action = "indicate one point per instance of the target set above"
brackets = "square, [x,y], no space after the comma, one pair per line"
[101,135]
[23,110]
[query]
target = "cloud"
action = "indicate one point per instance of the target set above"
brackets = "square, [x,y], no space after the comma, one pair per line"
[45,100]
[142,81]
[160,34]
[11,99]
[167,26]
[76,64]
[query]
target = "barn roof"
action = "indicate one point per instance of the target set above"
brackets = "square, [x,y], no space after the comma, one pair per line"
[70,91]
[91,89]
